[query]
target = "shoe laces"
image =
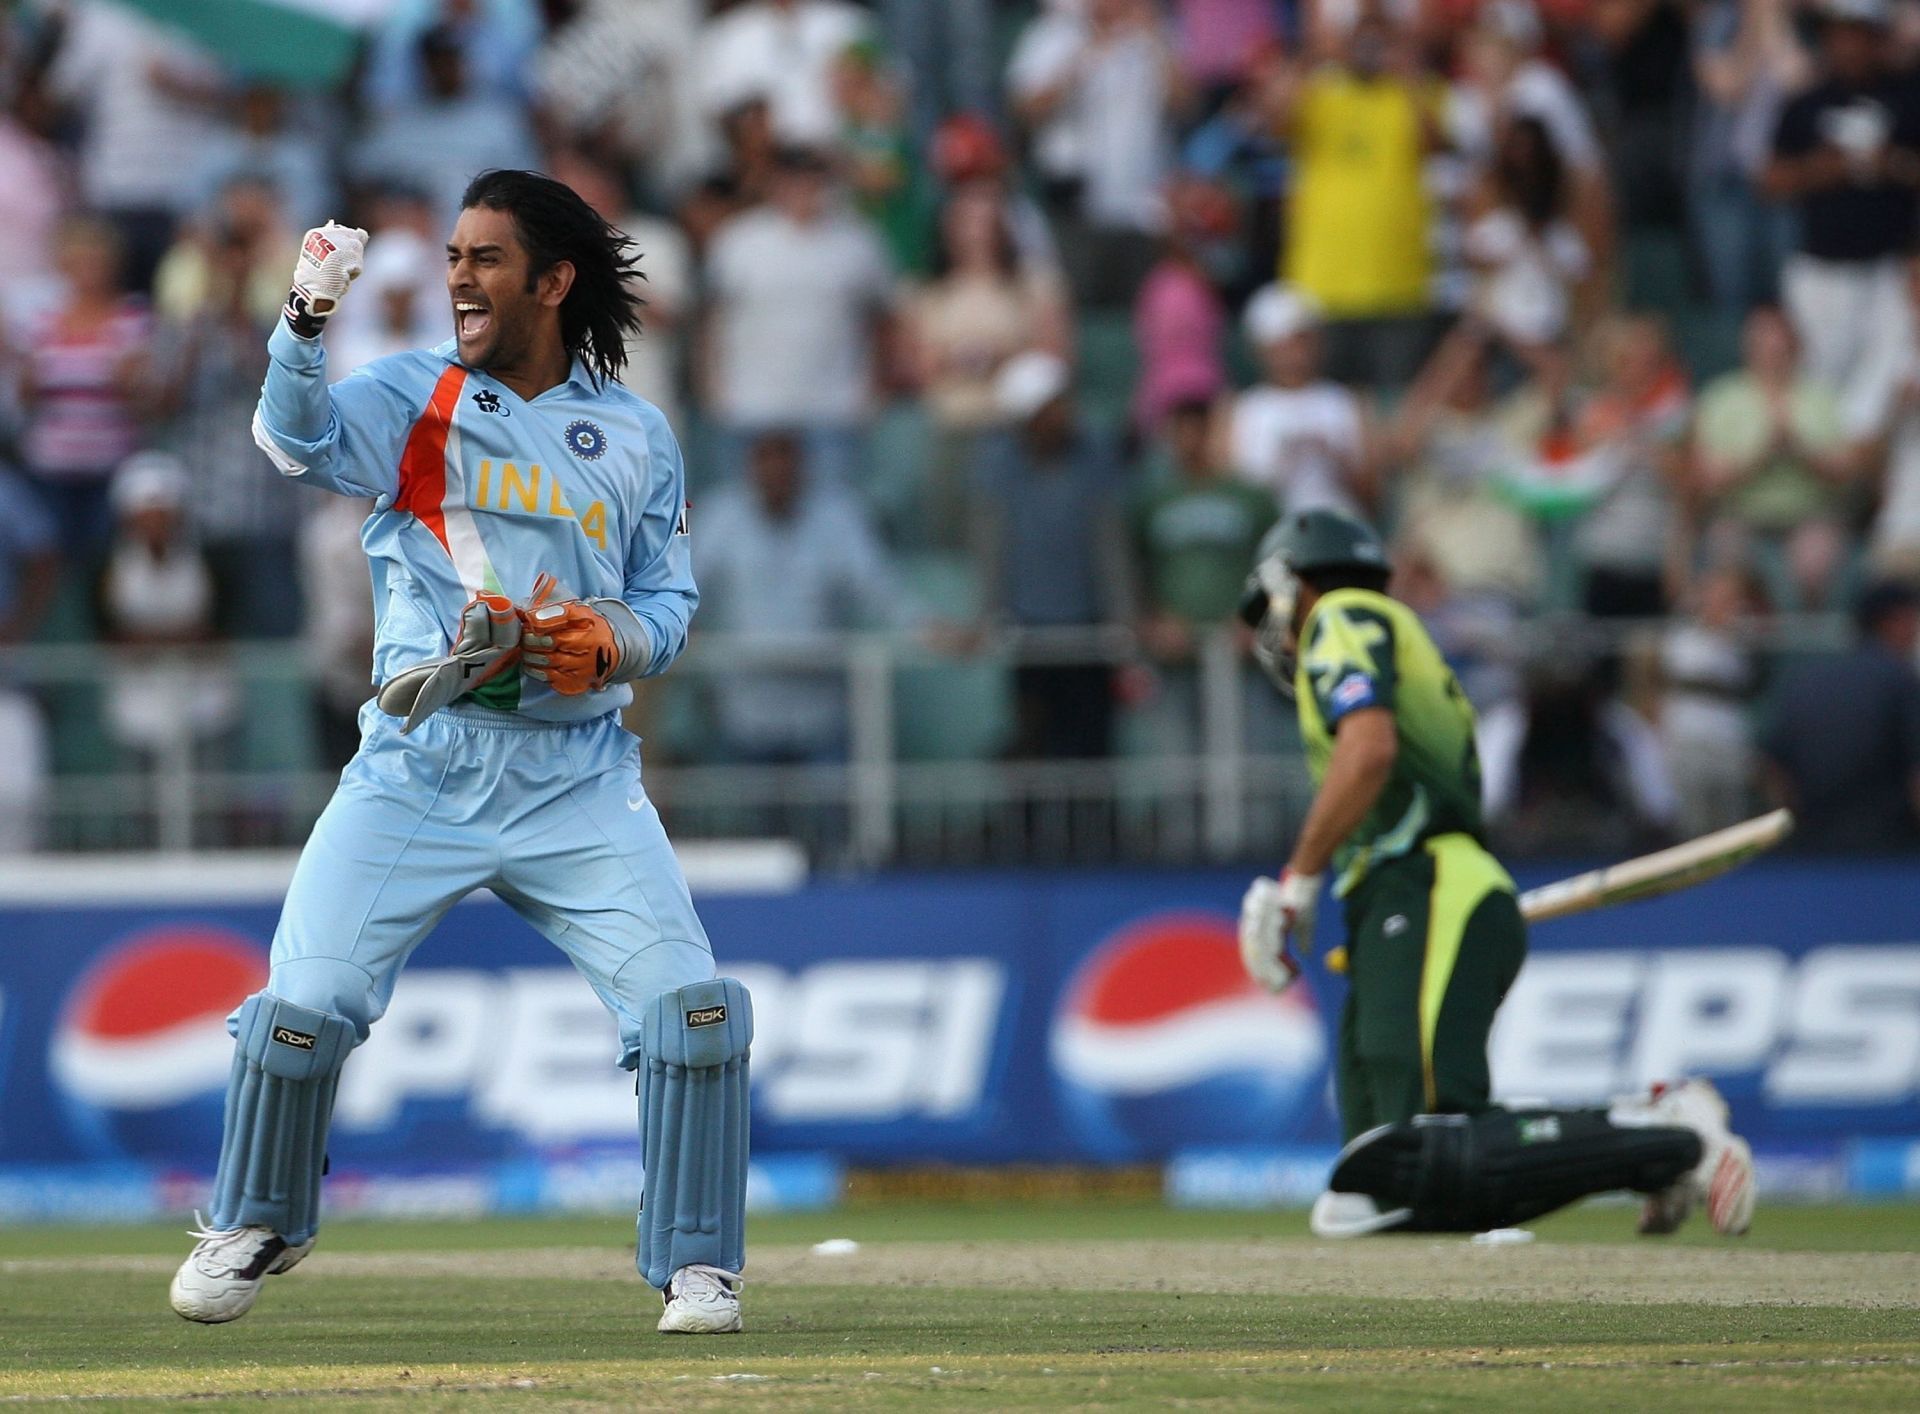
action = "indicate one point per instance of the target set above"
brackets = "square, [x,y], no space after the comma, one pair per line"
[221,1242]
[698,1279]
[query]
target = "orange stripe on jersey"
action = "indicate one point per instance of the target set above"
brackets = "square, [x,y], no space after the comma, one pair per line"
[423,465]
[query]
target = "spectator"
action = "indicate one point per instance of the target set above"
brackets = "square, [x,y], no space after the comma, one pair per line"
[1747,60]
[494,40]
[1179,319]
[1358,219]
[1052,547]
[1843,744]
[783,51]
[742,181]
[338,592]
[1194,535]
[799,294]
[1847,156]
[245,224]
[948,49]
[1709,676]
[86,382]
[145,100]
[1217,41]
[446,131]
[968,152]
[1631,541]
[1528,256]
[782,561]
[399,303]
[1097,85]
[167,693]
[981,308]
[877,153]
[34,178]
[1237,151]
[1773,464]
[265,146]
[1297,434]
[29,579]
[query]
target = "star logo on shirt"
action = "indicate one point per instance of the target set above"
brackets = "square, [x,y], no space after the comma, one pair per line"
[585,440]
[489,401]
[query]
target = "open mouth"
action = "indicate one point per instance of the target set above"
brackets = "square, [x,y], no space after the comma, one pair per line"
[471,319]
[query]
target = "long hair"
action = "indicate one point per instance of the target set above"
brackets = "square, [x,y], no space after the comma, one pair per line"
[554,224]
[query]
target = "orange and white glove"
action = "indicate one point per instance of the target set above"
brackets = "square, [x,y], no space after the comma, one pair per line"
[331,257]
[1276,925]
[583,645]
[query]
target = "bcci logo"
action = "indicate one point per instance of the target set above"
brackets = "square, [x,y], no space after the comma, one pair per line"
[585,440]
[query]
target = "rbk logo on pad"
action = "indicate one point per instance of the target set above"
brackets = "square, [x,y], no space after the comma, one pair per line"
[706,1016]
[299,1040]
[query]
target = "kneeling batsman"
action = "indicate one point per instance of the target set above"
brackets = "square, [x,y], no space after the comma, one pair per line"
[1435,936]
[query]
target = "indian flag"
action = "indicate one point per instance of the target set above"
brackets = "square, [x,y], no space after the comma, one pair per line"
[310,43]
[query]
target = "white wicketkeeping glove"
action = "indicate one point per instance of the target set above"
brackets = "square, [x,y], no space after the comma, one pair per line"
[1276,925]
[330,260]
[488,644]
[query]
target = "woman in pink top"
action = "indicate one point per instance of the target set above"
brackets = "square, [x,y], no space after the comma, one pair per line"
[1179,319]
[84,380]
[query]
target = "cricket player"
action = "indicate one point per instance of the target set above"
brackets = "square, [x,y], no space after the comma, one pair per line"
[1434,932]
[529,555]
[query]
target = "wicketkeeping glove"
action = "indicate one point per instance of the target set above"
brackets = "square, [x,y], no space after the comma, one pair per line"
[330,260]
[583,645]
[1276,926]
[487,645]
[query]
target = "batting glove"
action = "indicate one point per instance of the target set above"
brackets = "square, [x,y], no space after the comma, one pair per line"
[330,260]
[487,645]
[1276,924]
[583,645]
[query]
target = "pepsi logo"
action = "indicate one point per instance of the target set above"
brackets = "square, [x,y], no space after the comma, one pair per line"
[144,1033]
[1161,1040]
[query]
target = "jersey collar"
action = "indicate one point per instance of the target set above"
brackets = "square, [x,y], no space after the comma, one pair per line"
[579,377]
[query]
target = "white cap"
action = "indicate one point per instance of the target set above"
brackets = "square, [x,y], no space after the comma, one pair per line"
[397,260]
[1278,312]
[149,481]
[1029,381]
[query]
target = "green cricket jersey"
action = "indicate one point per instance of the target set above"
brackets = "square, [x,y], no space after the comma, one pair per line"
[1363,649]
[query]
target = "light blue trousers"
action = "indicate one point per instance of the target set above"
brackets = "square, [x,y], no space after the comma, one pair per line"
[552,818]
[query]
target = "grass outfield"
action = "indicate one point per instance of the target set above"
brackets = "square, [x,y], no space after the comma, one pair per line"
[1002,1307]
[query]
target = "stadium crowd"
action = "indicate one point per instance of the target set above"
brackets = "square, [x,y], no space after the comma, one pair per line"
[985,315]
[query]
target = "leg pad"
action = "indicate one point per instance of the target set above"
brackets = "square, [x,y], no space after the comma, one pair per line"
[1467,1173]
[286,1068]
[695,1044]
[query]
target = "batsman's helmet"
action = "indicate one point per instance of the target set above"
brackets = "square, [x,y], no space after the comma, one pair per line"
[1304,545]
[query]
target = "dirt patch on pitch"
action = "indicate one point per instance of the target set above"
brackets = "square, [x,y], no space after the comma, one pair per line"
[1416,1268]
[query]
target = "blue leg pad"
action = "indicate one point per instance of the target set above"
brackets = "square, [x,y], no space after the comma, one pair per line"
[693,1128]
[286,1067]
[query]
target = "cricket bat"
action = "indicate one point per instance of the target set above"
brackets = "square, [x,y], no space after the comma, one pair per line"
[1662,872]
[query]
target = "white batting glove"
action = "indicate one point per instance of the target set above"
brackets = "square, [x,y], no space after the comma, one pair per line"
[1276,924]
[330,260]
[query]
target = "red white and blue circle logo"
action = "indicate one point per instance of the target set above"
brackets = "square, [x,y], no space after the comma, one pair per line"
[1161,1041]
[141,1053]
[585,440]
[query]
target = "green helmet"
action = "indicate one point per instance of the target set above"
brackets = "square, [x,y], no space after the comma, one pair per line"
[1302,544]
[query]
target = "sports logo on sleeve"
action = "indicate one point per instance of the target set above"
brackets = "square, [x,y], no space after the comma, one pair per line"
[585,440]
[1353,691]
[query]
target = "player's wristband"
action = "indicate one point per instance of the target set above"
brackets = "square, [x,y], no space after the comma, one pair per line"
[300,317]
[630,637]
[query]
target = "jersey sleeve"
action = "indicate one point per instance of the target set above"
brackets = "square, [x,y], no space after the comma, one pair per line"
[346,438]
[659,584]
[1349,662]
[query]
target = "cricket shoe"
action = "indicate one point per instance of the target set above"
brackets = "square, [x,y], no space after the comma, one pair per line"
[701,1300]
[222,1275]
[1352,1215]
[1723,1182]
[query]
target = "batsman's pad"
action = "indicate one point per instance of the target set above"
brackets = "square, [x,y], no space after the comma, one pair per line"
[286,1067]
[487,645]
[693,1128]
[1468,1173]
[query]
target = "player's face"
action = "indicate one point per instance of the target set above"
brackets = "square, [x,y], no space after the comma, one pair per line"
[496,307]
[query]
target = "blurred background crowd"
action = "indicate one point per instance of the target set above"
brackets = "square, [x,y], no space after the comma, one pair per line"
[997,334]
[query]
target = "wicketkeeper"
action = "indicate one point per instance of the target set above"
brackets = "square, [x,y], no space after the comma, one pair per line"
[1434,932]
[529,558]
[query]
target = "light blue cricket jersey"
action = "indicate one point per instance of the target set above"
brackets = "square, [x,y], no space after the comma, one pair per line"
[477,489]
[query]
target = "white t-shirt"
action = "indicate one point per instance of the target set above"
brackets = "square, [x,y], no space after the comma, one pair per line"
[1526,276]
[784,55]
[1282,439]
[794,305]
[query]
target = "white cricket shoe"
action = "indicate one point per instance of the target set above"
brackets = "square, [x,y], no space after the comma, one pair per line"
[1723,1182]
[1352,1215]
[222,1275]
[701,1300]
